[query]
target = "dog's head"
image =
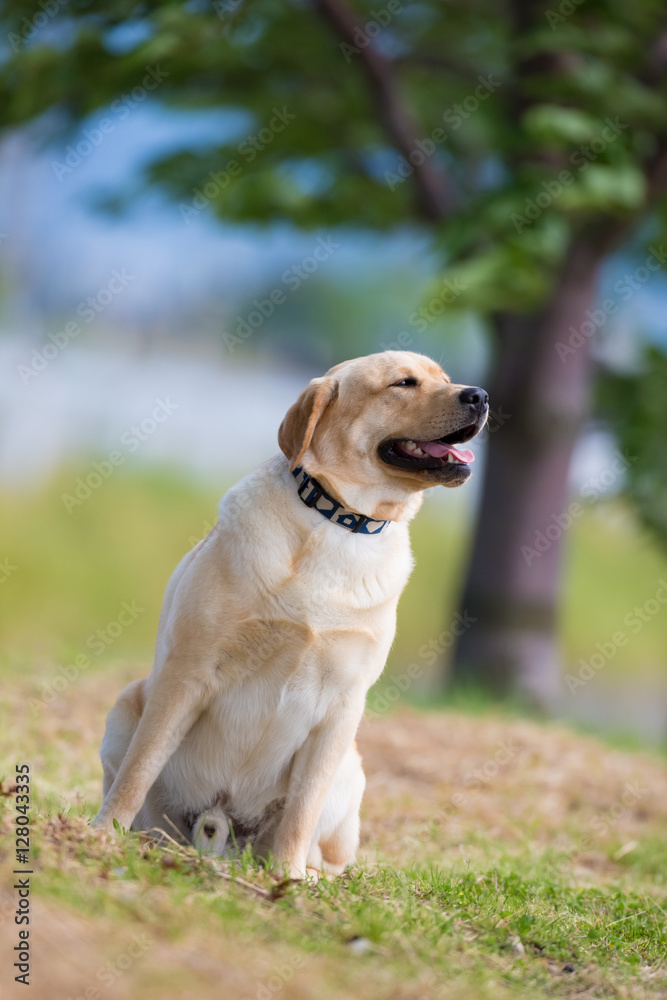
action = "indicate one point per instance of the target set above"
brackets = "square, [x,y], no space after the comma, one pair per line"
[378,429]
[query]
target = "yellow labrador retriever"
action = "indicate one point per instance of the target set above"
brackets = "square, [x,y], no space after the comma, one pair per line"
[274,627]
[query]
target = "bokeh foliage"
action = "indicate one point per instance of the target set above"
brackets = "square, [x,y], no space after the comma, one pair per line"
[547,86]
[635,405]
[552,122]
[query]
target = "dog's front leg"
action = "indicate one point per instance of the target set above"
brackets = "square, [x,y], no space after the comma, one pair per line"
[173,705]
[313,769]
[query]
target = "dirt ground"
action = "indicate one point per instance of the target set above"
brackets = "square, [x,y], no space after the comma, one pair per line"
[442,788]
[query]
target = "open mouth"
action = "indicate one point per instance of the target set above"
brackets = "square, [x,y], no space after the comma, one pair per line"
[406,453]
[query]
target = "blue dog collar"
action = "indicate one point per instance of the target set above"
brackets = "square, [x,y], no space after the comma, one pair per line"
[312,494]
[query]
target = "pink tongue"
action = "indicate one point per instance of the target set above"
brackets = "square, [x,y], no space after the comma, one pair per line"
[438,450]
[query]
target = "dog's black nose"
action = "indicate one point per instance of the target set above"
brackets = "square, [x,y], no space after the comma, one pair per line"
[475,396]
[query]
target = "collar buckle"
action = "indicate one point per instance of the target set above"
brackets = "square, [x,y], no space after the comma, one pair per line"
[317,491]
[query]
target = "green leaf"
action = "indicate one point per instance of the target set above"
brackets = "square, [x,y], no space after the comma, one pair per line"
[606,188]
[550,124]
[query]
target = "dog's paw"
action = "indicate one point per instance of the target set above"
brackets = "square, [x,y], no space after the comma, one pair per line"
[295,872]
[104,826]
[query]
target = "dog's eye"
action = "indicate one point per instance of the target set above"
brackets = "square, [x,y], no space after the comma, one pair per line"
[405,383]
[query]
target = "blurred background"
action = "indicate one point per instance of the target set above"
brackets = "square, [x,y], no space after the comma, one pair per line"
[205,204]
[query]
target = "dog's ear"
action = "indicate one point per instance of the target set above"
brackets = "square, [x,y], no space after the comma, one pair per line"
[297,429]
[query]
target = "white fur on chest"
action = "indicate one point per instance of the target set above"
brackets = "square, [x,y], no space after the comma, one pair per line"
[292,553]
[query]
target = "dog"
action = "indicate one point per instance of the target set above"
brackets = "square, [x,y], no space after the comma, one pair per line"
[274,626]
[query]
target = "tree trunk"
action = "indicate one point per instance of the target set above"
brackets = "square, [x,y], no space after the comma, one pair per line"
[540,401]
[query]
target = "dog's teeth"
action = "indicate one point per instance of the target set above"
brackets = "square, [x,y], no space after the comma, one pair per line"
[450,457]
[413,448]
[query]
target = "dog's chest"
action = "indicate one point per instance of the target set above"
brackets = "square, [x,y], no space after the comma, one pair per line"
[333,574]
[245,741]
[323,612]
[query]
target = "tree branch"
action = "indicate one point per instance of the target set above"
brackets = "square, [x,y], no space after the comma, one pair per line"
[656,174]
[432,188]
[443,63]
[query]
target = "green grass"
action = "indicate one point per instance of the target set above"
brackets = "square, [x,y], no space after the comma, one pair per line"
[480,929]
[467,908]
